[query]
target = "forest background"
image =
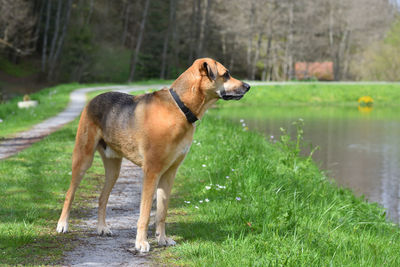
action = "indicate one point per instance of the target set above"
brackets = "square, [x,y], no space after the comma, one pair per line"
[45,42]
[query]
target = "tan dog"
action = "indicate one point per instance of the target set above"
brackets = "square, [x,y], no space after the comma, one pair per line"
[154,131]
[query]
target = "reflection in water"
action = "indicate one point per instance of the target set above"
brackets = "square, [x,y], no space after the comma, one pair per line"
[359,151]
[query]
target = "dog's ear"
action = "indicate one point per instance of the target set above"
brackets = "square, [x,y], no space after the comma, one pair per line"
[210,69]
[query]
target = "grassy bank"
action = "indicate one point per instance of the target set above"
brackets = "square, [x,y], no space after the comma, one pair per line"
[255,203]
[321,94]
[265,112]
[33,185]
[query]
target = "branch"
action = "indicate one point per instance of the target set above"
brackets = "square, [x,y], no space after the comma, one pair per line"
[19,51]
[9,45]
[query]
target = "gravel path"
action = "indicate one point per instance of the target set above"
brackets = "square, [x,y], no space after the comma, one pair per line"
[124,201]
[122,215]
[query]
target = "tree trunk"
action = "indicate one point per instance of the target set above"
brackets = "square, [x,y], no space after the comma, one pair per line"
[126,22]
[166,39]
[46,29]
[89,16]
[203,26]
[56,30]
[135,55]
[291,40]
[232,59]
[289,44]
[223,46]
[175,46]
[256,56]
[192,32]
[339,59]
[346,57]
[250,38]
[37,30]
[60,41]
[266,62]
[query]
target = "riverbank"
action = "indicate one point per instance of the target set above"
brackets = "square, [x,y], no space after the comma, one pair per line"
[383,94]
[255,202]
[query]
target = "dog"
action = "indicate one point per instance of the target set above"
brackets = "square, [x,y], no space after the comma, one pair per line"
[154,131]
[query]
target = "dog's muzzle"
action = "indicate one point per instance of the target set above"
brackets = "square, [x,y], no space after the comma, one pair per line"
[234,95]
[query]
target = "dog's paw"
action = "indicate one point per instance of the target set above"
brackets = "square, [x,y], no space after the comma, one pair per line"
[62,227]
[166,241]
[104,231]
[142,246]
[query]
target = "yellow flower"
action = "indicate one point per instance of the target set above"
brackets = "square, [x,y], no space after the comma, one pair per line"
[365,101]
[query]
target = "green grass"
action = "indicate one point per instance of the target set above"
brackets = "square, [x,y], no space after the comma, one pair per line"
[320,94]
[289,213]
[33,185]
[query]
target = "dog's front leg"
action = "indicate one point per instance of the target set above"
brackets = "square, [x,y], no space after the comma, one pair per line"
[163,193]
[150,181]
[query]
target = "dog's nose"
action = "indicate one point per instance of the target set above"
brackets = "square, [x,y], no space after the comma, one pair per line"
[246,86]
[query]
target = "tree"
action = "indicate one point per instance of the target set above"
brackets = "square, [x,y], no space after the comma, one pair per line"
[135,55]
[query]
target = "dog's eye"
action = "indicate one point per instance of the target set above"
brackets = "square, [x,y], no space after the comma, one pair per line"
[226,75]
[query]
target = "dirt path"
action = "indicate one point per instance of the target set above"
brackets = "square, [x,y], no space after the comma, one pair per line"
[122,215]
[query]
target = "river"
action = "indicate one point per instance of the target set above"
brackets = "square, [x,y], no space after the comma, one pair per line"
[360,149]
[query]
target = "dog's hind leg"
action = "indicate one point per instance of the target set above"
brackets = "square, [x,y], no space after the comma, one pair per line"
[112,167]
[87,138]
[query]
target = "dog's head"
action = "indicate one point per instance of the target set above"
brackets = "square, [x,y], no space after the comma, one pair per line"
[217,82]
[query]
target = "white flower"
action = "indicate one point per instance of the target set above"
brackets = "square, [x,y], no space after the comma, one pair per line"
[206,200]
[272,137]
[196,207]
[204,165]
[233,170]
[242,120]
[187,202]
[208,187]
[244,124]
[201,201]
[198,143]
[238,198]
[194,141]
[227,177]
[1,120]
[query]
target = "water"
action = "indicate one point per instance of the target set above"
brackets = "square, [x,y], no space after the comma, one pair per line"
[359,149]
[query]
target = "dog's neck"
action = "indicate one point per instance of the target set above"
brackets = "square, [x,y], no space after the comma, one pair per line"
[191,96]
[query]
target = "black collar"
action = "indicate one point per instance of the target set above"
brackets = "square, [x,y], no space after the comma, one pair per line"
[188,113]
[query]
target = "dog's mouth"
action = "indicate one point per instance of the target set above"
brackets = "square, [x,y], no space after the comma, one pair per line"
[234,95]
